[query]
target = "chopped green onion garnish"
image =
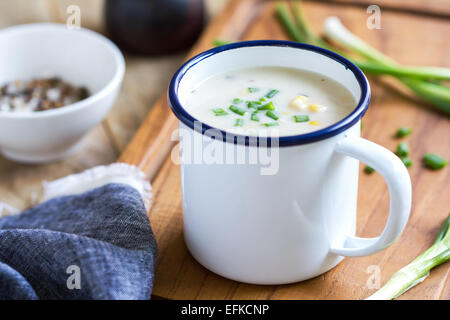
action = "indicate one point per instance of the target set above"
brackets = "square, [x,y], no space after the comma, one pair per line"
[254,116]
[262,99]
[237,110]
[237,101]
[219,112]
[267,106]
[434,161]
[253,104]
[368,169]
[402,149]
[407,162]
[239,123]
[272,124]
[403,132]
[272,115]
[272,93]
[301,118]
[252,90]
[220,42]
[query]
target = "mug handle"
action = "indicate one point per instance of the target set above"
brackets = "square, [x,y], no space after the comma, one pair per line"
[397,178]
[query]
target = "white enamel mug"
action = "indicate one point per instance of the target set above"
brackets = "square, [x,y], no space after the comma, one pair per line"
[299,220]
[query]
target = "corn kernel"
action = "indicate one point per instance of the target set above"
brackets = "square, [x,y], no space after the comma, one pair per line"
[314,123]
[299,103]
[317,108]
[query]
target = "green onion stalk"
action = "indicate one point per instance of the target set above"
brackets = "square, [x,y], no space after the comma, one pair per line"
[423,81]
[415,272]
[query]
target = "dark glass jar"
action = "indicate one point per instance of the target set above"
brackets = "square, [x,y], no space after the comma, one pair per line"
[153,27]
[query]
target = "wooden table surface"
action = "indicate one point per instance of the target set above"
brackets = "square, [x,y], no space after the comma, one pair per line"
[417,35]
[145,79]
[413,31]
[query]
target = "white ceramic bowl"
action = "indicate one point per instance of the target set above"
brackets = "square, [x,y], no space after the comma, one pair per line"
[80,57]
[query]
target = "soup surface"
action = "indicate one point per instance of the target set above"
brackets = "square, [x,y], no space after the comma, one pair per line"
[270,101]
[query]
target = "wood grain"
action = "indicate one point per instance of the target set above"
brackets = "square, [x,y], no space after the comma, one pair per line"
[409,38]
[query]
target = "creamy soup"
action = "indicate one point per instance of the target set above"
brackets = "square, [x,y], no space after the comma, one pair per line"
[270,101]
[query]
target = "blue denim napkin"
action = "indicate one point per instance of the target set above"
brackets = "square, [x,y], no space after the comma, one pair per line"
[96,245]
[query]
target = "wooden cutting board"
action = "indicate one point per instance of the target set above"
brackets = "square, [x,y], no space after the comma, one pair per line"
[409,37]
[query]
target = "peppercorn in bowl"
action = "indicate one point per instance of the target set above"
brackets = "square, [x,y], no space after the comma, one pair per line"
[56,84]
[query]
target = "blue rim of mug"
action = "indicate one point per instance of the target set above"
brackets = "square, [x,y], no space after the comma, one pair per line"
[283,141]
